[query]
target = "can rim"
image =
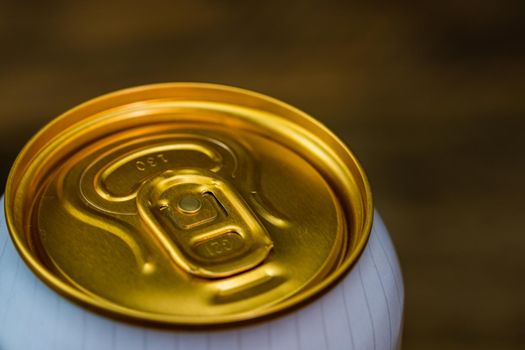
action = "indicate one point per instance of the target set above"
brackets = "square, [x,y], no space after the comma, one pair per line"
[114,310]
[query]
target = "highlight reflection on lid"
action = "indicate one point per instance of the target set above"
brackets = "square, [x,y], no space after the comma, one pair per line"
[187,204]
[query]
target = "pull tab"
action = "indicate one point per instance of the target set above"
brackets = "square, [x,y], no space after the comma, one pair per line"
[203,223]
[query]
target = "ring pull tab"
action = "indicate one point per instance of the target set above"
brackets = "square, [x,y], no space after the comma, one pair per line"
[203,223]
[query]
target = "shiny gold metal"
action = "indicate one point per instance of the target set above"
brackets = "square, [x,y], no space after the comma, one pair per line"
[188,204]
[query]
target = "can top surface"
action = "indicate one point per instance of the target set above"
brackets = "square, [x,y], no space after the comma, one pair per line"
[189,204]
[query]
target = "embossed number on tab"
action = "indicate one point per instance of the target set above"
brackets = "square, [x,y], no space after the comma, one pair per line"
[203,223]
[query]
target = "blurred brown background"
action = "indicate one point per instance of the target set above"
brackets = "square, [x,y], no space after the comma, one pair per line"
[429,96]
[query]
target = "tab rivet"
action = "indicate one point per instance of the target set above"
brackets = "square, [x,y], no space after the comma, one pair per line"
[189,204]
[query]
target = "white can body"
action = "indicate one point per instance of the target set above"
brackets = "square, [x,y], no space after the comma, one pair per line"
[363,311]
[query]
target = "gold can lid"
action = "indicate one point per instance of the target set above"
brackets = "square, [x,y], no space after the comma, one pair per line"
[189,204]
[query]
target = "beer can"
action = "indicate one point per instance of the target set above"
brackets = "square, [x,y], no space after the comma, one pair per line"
[193,216]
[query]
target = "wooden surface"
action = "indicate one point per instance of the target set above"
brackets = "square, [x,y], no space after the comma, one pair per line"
[430,98]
